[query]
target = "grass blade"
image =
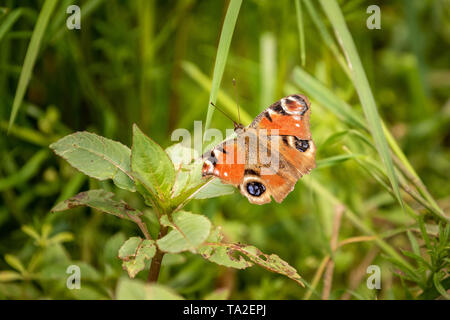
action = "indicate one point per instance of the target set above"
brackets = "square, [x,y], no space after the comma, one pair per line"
[326,36]
[30,58]
[268,51]
[222,55]
[327,98]
[9,22]
[362,86]
[301,31]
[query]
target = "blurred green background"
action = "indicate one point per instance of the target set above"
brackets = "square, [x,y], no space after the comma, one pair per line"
[151,63]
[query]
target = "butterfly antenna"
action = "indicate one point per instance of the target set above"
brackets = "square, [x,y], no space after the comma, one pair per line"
[226,115]
[237,102]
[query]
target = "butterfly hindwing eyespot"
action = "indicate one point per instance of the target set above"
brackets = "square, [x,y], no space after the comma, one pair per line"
[255,188]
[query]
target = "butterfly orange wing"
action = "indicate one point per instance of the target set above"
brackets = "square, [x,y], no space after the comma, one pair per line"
[287,123]
[288,116]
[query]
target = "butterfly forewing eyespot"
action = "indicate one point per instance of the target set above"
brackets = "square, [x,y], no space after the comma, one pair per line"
[301,145]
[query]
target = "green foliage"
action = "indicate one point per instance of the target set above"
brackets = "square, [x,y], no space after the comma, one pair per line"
[156,179]
[97,157]
[379,119]
[188,232]
[134,253]
[151,166]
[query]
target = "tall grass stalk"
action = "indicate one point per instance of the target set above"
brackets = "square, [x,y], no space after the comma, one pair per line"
[222,55]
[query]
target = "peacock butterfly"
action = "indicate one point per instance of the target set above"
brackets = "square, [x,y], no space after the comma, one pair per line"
[280,133]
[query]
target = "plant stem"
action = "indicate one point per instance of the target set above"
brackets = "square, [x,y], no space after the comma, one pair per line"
[155,266]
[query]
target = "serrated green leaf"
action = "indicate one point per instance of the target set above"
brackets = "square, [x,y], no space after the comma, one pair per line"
[134,253]
[151,165]
[223,256]
[97,157]
[188,180]
[232,255]
[214,252]
[101,200]
[188,232]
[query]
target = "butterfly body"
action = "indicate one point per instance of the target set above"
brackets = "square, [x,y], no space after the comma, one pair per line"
[268,157]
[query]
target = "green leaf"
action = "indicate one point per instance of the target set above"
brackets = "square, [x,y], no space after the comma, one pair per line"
[188,232]
[232,255]
[89,292]
[14,262]
[414,245]
[57,271]
[61,237]
[111,248]
[439,287]
[214,188]
[218,294]
[188,180]
[214,252]
[97,157]
[101,200]
[31,232]
[189,183]
[30,58]
[336,160]
[181,154]
[128,289]
[156,291]
[28,171]
[151,166]
[9,21]
[8,276]
[134,253]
